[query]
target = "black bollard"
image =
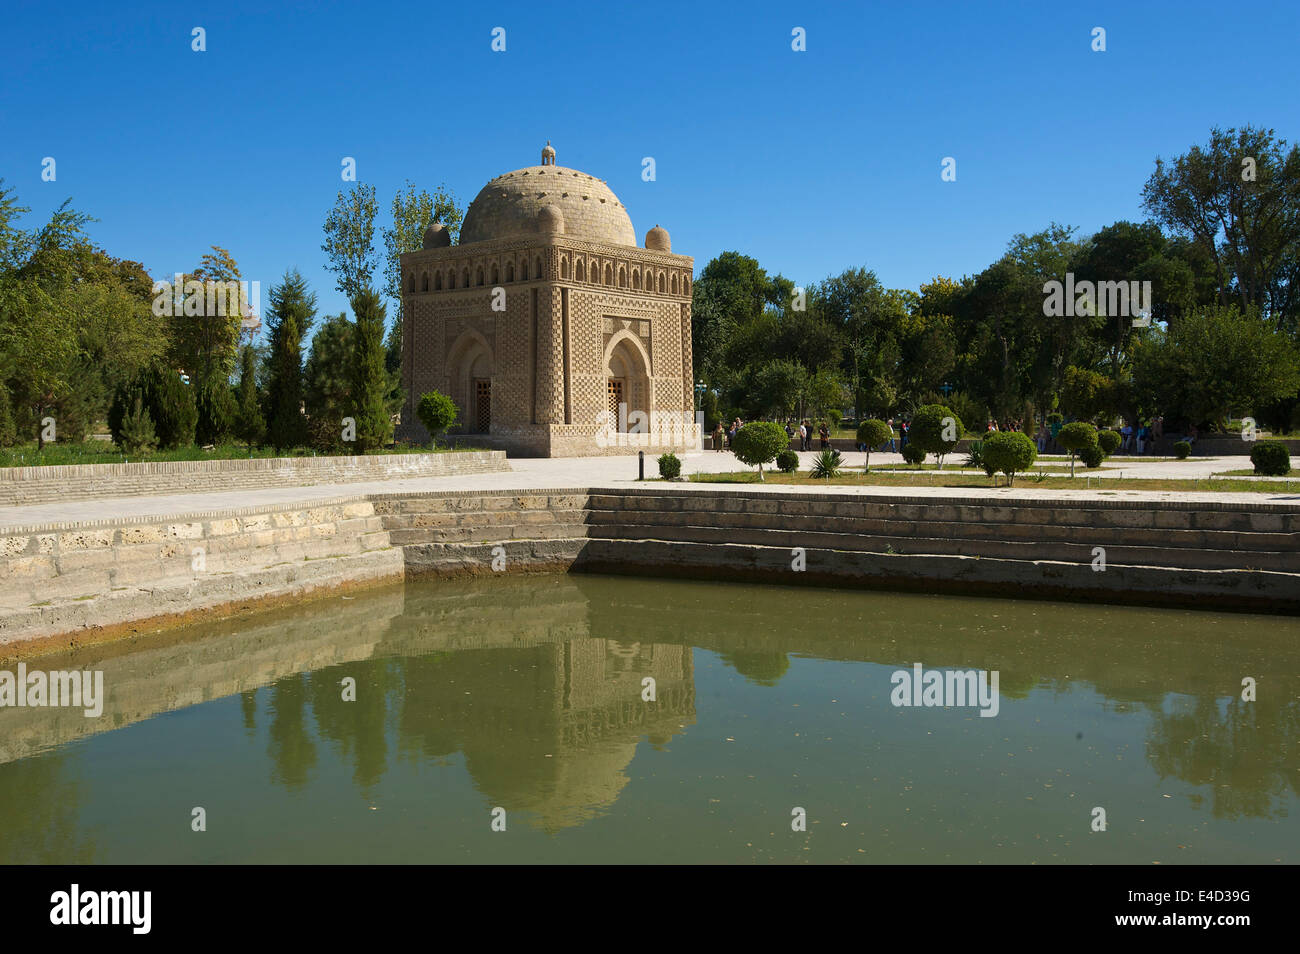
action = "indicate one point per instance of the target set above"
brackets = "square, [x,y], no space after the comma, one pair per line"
[640,465]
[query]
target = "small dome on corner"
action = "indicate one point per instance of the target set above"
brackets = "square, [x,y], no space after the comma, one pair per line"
[437,236]
[550,220]
[657,240]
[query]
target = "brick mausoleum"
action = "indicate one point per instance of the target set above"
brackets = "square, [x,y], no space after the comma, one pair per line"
[547,317]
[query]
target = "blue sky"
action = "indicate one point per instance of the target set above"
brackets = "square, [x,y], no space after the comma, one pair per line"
[811,162]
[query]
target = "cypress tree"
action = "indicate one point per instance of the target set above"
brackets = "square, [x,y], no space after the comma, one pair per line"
[292,311]
[249,423]
[369,376]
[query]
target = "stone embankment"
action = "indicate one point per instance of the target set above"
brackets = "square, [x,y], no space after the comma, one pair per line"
[67,583]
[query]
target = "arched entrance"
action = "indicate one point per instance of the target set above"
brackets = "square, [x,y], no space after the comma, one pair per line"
[469,382]
[627,377]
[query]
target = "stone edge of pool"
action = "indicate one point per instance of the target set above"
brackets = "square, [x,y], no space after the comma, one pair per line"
[67,584]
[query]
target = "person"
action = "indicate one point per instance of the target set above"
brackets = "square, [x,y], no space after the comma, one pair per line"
[825,435]
[719,436]
[1126,435]
[807,435]
[1192,434]
[1042,437]
[892,448]
[789,431]
[1141,437]
[903,428]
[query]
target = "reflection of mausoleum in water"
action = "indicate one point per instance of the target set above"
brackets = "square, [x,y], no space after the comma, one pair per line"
[546,317]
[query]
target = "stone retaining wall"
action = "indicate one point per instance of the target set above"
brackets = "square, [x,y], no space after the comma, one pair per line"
[70,582]
[33,485]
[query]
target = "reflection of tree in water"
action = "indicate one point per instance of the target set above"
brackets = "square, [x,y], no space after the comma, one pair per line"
[1245,756]
[292,752]
[49,805]
[356,729]
[763,668]
[248,709]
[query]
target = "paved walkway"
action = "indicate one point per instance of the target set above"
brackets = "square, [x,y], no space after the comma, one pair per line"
[619,472]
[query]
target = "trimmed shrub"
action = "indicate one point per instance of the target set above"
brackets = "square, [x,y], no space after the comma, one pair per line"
[758,443]
[1074,437]
[1271,459]
[1182,449]
[932,424]
[913,454]
[787,461]
[1092,455]
[1010,453]
[873,433]
[827,464]
[670,466]
[1108,441]
[436,412]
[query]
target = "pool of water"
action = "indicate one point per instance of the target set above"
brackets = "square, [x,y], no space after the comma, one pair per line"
[522,704]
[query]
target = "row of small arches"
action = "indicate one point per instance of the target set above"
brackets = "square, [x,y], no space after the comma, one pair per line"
[661,282]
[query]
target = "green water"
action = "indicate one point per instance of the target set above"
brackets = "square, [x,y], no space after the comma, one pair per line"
[526,695]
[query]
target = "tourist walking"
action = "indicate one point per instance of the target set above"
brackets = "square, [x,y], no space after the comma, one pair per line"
[890,423]
[719,437]
[1042,437]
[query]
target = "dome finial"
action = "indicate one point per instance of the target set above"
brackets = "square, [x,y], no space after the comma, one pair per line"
[548,154]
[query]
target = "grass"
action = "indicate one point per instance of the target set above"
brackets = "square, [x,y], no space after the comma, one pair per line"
[104,452]
[1247,472]
[949,479]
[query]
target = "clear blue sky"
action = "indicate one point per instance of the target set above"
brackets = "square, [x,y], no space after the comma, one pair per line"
[811,162]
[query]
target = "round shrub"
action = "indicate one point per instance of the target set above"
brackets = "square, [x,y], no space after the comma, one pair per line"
[913,454]
[1182,449]
[436,412]
[873,433]
[1271,459]
[1108,441]
[1092,455]
[758,443]
[1074,437]
[670,466]
[931,425]
[1010,453]
[787,461]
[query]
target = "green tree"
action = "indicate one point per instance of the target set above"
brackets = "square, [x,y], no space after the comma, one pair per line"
[437,412]
[250,426]
[758,443]
[349,245]
[1075,437]
[370,383]
[327,381]
[935,430]
[290,316]
[412,213]
[873,433]
[137,435]
[1010,453]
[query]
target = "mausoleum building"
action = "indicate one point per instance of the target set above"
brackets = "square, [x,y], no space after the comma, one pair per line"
[554,333]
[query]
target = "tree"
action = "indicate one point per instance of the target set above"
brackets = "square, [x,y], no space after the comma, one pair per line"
[250,426]
[370,384]
[437,412]
[413,212]
[137,435]
[327,381]
[758,443]
[349,245]
[935,430]
[1076,436]
[1010,453]
[873,433]
[1213,362]
[291,315]
[216,411]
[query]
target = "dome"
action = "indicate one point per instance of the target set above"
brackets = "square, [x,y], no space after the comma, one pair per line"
[437,236]
[657,240]
[510,206]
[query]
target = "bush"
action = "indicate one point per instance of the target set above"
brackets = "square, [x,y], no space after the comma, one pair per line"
[169,402]
[827,464]
[1182,449]
[787,461]
[1271,459]
[437,412]
[1010,453]
[137,433]
[758,443]
[1108,441]
[913,454]
[1074,437]
[931,424]
[1092,455]
[974,454]
[670,466]
[873,433]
